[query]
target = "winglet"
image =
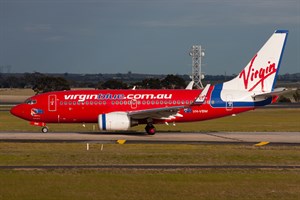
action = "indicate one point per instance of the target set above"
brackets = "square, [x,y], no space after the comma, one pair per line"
[201,97]
[190,86]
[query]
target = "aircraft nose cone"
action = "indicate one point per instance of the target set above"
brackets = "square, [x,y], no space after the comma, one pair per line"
[17,111]
[13,110]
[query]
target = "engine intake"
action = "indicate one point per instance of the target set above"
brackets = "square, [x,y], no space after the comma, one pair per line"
[116,121]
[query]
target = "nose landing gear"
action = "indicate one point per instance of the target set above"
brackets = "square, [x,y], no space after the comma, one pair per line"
[45,129]
[41,124]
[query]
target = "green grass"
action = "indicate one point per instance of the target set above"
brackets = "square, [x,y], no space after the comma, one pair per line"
[265,120]
[125,184]
[148,184]
[76,154]
[154,184]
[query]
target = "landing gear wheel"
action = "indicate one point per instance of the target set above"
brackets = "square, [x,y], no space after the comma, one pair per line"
[45,129]
[150,129]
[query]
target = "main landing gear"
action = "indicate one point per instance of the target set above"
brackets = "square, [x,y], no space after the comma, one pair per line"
[150,129]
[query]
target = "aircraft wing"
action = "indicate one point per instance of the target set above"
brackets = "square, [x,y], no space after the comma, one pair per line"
[157,113]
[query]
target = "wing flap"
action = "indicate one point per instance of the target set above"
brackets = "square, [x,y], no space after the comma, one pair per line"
[157,113]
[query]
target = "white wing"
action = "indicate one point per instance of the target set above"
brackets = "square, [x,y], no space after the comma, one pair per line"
[157,113]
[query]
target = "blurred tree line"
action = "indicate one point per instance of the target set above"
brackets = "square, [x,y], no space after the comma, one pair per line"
[41,83]
[169,82]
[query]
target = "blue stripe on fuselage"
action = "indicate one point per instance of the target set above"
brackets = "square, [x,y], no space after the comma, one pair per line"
[104,122]
[217,102]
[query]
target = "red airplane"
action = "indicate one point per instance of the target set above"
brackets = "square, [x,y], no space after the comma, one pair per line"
[122,109]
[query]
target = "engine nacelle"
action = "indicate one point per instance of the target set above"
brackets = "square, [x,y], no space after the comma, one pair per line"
[115,121]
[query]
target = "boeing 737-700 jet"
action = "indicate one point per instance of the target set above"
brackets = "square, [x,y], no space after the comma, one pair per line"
[121,109]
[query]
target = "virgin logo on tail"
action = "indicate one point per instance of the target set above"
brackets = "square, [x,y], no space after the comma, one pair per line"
[255,77]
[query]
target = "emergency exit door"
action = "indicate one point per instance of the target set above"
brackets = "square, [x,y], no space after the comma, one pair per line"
[52,103]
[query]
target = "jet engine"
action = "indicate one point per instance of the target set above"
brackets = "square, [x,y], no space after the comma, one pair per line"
[116,121]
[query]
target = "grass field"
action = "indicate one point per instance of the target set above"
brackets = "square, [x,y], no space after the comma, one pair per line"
[148,184]
[17,92]
[154,184]
[258,120]
[76,154]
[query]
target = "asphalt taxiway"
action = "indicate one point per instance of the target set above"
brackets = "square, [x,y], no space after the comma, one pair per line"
[286,138]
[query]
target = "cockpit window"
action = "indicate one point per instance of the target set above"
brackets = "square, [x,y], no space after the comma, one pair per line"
[30,101]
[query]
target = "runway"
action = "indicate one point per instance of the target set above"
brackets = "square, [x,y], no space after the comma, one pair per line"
[284,138]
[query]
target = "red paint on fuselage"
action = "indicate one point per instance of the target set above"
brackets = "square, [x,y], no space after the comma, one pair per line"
[84,106]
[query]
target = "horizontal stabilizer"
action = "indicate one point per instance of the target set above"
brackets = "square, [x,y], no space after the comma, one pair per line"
[275,92]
